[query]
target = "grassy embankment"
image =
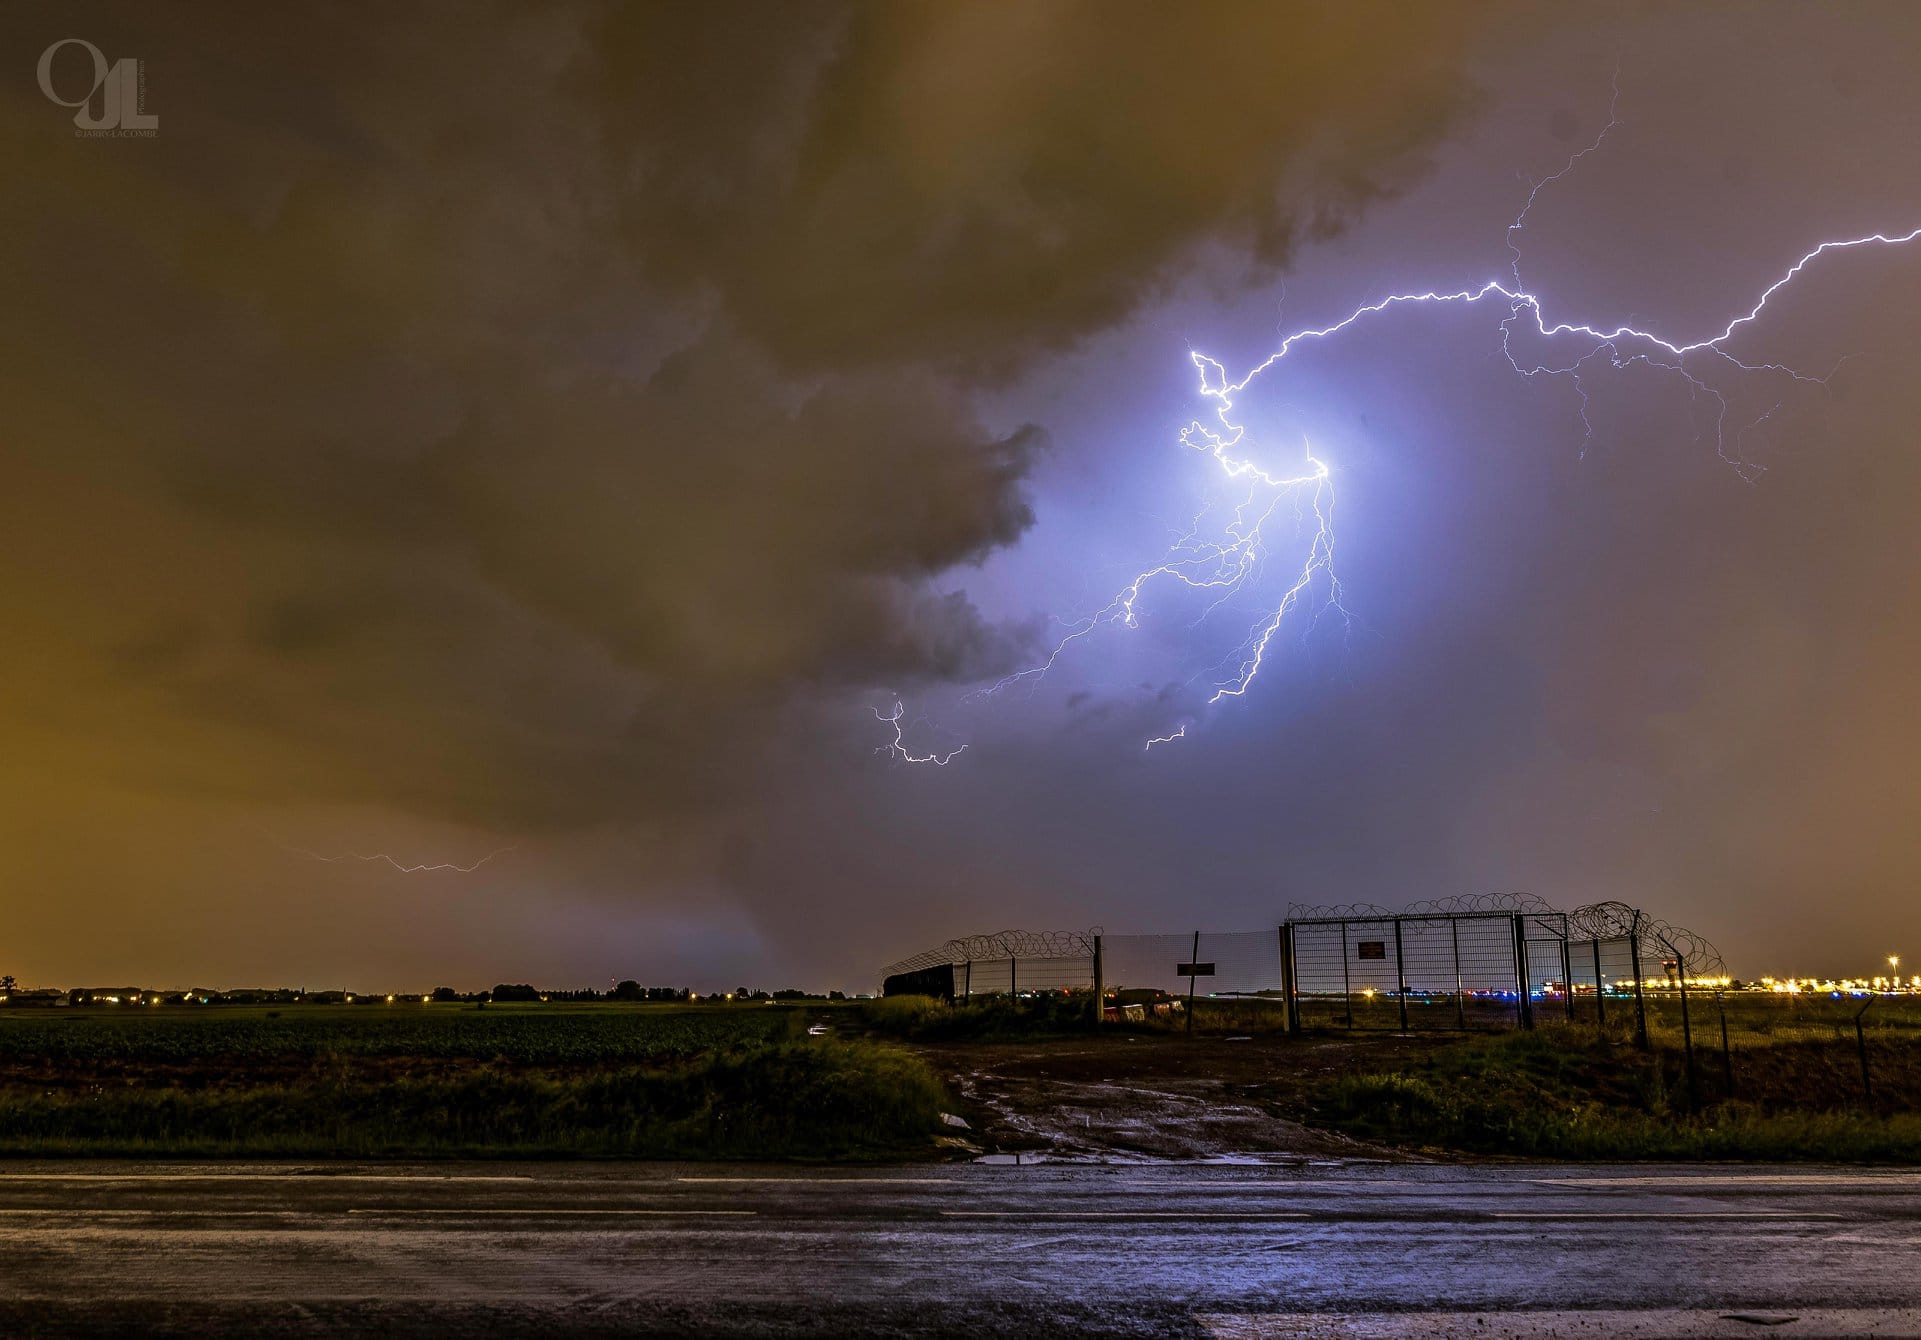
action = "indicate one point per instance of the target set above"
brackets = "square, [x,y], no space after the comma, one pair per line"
[415,1080]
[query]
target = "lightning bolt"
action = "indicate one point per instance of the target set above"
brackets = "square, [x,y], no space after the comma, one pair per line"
[379,857]
[1228,562]
[897,747]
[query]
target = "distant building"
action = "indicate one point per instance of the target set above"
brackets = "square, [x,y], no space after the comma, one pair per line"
[34,998]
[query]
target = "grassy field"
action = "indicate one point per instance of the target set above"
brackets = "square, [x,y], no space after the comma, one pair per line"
[1789,1088]
[413,1080]
[1757,1013]
[1576,1091]
[653,1081]
[1789,1085]
[551,1034]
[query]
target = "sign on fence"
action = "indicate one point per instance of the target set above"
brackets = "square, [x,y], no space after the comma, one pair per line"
[1194,969]
[1366,949]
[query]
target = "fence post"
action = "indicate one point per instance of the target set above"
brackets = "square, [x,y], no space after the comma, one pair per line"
[1523,1006]
[1013,979]
[1861,1046]
[1687,1033]
[967,990]
[1400,974]
[1347,989]
[1194,961]
[1460,999]
[1600,994]
[1567,972]
[1727,1057]
[1290,984]
[1100,986]
[1640,997]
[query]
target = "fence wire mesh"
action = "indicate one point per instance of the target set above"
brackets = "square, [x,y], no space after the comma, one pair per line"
[1232,963]
[1487,961]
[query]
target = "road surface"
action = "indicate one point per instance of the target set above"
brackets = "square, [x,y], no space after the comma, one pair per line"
[1202,1250]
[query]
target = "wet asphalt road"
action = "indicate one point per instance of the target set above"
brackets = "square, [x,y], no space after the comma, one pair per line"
[1276,1249]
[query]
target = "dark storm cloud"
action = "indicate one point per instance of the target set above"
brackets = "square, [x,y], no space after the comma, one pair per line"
[527,415]
[978,182]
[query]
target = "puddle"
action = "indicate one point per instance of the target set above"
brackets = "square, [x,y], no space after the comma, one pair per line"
[1036,1158]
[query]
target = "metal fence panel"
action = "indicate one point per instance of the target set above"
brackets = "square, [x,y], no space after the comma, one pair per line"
[1001,976]
[1471,962]
[1245,962]
[1429,971]
[1602,978]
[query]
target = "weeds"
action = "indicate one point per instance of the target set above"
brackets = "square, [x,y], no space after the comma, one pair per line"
[1580,1093]
[988,1018]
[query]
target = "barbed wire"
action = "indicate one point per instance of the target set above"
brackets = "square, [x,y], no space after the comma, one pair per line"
[1456,905]
[1471,904]
[1604,921]
[1338,912]
[1601,922]
[1694,954]
[1014,944]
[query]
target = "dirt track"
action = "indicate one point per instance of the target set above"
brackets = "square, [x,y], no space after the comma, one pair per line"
[1156,1096]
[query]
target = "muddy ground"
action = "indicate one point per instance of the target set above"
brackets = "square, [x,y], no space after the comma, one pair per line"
[1153,1096]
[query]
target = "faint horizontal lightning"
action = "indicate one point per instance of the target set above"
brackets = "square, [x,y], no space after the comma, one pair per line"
[382,858]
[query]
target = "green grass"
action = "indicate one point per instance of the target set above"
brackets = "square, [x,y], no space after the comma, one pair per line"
[617,1082]
[813,1100]
[544,1034]
[1571,1092]
[1225,1015]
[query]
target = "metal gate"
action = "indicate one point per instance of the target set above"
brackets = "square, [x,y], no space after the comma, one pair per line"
[1426,969]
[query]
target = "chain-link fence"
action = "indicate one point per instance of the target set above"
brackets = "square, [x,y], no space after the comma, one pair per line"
[1211,963]
[1488,961]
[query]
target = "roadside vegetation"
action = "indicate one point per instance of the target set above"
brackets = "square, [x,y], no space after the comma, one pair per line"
[983,1019]
[748,1081]
[1576,1091]
[1789,1087]
[447,1081]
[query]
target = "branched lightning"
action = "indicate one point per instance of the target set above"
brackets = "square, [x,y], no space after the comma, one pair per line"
[897,747]
[1622,345]
[1227,562]
[380,857]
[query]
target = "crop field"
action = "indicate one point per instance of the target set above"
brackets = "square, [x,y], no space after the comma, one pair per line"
[552,1034]
[414,1080]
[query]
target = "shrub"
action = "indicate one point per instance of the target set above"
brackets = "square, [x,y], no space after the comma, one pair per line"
[984,1018]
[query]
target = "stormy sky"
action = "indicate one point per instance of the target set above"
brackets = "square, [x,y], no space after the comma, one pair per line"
[553,432]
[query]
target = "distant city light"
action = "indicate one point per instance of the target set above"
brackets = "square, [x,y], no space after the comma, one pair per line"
[1838,985]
